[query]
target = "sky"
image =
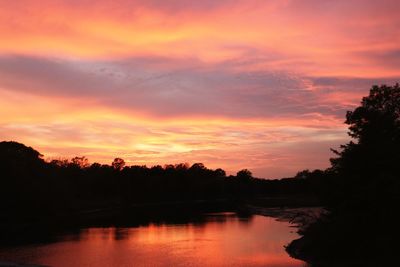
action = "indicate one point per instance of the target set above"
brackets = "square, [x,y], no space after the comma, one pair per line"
[262,85]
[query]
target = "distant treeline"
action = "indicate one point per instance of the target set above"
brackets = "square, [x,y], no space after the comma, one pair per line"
[31,186]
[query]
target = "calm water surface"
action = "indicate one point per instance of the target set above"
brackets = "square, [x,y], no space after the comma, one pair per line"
[221,239]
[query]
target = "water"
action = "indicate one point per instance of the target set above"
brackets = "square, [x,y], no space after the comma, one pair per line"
[221,239]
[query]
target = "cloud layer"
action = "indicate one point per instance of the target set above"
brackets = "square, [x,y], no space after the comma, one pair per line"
[234,84]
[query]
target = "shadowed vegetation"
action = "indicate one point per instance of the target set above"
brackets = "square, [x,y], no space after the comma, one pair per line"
[35,190]
[361,190]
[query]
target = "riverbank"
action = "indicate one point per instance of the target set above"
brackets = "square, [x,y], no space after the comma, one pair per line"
[45,228]
[139,216]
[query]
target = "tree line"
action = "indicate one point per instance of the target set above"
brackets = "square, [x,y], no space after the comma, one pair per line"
[32,187]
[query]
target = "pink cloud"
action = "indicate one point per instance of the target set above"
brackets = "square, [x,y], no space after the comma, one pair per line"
[235,84]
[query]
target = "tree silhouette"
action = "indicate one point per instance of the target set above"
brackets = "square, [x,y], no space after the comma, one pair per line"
[81,162]
[118,164]
[375,126]
[19,153]
[244,174]
[364,187]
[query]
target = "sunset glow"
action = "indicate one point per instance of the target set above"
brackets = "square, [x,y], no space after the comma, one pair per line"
[262,85]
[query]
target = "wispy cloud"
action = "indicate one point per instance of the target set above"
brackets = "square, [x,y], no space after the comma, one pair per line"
[181,88]
[234,84]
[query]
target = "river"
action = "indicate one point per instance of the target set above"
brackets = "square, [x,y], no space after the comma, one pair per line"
[219,239]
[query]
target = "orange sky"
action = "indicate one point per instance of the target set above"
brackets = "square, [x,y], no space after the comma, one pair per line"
[262,85]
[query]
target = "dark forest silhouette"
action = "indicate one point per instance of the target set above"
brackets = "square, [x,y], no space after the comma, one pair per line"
[361,190]
[33,190]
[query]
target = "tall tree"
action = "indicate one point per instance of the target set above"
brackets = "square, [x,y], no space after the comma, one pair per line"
[375,128]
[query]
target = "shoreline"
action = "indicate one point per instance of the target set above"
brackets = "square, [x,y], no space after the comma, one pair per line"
[22,229]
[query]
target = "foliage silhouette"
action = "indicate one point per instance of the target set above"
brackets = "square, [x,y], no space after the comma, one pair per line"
[244,174]
[33,189]
[361,189]
[118,164]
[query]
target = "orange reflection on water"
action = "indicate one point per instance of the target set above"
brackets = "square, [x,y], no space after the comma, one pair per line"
[220,240]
